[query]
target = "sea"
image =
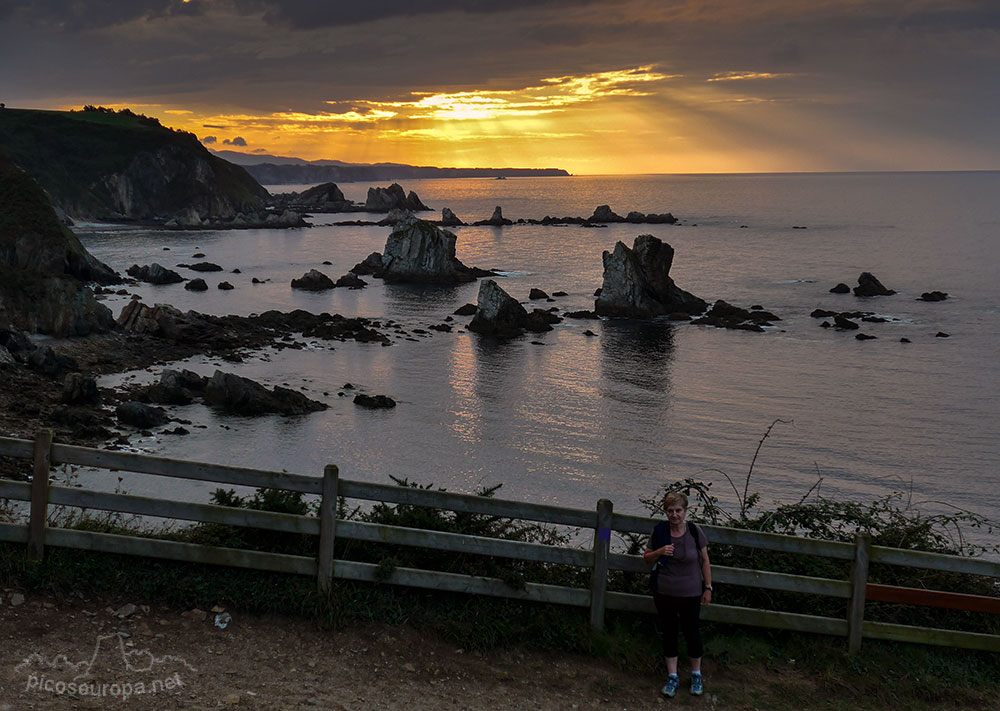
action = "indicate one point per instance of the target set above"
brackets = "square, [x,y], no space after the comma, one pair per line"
[568,418]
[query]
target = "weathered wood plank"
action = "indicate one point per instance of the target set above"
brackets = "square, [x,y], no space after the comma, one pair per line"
[13,447]
[599,576]
[201,471]
[183,510]
[41,453]
[468,503]
[935,561]
[453,582]
[740,615]
[15,490]
[173,550]
[750,539]
[327,528]
[14,532]
[859,583]
[927,635]
[933,598]
[461,543]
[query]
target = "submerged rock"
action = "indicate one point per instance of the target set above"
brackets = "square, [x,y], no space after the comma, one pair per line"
[196,285]
[374,402]
[841,288]
[933,296]
[637,283]
[351,281]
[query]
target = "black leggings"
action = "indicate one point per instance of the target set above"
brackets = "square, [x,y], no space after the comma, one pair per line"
[682,612]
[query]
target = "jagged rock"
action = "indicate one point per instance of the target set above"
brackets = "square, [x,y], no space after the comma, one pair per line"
[141,415]
[154,274]
[603,214]
[78,388]
[537,294]
[243,396]
[6,358]
[637,282]
[176,387]
[868,285]
[47,362]
[326,197]
[395,217]
[392,197]
[372,264]
[841,288]
[539,321]
[497,313]
[313,280]
[205,267]
[196,285]
[942,334]
[139,318]
[933,296]
[496,219]
[841,321]
[420,252]
[822,313]
[465,310]
[225,286]
[352,281]
[449,218]
[374,402]
[581,315]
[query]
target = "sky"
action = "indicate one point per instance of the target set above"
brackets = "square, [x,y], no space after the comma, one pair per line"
[594,87]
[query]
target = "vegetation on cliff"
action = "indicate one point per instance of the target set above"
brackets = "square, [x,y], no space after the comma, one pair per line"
[102,164]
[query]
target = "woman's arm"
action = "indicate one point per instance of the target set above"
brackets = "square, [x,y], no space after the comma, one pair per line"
[706,574]
[651,555]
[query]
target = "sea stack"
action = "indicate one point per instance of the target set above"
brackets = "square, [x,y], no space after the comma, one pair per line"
[637,282]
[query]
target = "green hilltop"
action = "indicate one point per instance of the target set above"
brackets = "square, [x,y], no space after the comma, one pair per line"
[103,164]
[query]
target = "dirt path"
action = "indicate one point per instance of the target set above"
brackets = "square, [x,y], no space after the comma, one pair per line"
[279,663]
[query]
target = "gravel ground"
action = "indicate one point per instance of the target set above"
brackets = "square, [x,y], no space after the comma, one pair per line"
[279,663]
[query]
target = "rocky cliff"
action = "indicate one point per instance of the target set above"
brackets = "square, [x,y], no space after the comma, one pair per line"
[43,266]
[104,165]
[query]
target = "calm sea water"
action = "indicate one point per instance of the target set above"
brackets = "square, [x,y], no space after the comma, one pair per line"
[642,404]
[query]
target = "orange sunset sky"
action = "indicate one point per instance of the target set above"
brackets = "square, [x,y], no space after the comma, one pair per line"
[593,87]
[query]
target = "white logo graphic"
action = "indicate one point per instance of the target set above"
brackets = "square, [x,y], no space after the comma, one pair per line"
[113,670]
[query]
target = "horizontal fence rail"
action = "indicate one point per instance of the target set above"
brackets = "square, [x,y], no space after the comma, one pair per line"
[40,494]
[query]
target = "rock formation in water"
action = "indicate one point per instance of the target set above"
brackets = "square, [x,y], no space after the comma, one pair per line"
[725,315]
[496,219]
[154,274]
[420,252]
[449,218]
[499,314]
[392,198]
[43,266]
[242,396]
[313,280]
[868,285]
[637,283]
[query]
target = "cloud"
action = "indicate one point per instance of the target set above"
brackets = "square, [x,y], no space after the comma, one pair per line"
[212,125]
[238,141]
[743,76]
[208,140]
[88,14]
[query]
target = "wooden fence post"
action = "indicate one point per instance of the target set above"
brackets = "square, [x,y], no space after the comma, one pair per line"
[859,586]
[327,528]
[39,495]
[599,580]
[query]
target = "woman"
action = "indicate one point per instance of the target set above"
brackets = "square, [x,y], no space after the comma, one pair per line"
[681,582]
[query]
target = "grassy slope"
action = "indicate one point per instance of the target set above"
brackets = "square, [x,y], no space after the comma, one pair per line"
[69,153]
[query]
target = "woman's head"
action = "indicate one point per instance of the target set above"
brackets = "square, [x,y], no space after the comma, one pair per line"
[675,504]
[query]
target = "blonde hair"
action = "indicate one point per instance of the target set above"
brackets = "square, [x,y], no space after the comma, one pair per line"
[675,497]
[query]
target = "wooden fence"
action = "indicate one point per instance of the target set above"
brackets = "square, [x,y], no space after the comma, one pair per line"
[41,494]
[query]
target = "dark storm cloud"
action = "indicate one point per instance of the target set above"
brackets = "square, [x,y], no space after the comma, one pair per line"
[209,139]
[88,14]
[238,141]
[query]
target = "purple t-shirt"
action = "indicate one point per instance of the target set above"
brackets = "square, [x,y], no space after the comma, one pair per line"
[679,575]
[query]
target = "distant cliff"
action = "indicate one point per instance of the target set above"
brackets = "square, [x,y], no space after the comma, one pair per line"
[275,170]
[43,266]
[105,165]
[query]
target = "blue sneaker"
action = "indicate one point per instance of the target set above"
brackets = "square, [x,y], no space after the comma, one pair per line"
[696,685]
[670,688]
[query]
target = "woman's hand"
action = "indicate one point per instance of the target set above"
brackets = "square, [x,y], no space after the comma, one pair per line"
[667,550]
[706,597]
